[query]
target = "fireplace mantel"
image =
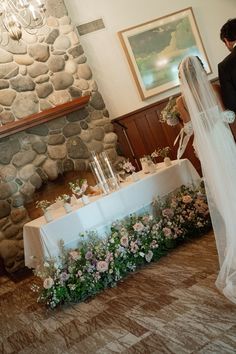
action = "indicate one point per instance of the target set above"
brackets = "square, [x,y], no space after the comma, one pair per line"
[43,117]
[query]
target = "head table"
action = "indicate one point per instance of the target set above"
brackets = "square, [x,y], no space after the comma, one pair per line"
[42,239]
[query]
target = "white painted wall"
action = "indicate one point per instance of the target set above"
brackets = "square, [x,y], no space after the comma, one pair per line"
[106,56]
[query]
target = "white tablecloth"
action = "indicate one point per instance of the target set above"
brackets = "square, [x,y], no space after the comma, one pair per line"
[41,239]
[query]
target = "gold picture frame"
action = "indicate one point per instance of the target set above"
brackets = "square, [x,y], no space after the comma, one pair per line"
[154,50]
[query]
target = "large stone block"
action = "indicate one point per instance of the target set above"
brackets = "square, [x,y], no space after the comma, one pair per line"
[26,172]
[22,83]
[25,104]
[77,149]
[62,80]
[8,149]
[5,208]
[51,169]
[5,57]
[56,63]
[71,129]
[23,158]
[44,89]
[57,152]
[18,214]
[37,69]
[39,52]
[96,101]
[7,97]
[56,8]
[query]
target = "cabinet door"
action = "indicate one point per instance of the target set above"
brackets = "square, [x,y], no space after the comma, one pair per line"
[140,133]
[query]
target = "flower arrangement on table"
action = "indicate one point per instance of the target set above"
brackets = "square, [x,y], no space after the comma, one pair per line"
[79,187]
[162,152]
[126,169]
[148,163]
[42,204]
[132,242]
[170,114]
[65,199]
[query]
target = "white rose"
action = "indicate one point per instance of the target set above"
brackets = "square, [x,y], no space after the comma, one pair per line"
[48,283]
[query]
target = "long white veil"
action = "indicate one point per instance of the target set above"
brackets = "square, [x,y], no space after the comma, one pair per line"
[216,149]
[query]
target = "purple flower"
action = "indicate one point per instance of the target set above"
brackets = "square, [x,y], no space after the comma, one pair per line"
[88,255]
[64,276]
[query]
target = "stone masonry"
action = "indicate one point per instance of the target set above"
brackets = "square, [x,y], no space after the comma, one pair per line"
[42,70]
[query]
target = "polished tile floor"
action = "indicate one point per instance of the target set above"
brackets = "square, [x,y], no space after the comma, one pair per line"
[171,306]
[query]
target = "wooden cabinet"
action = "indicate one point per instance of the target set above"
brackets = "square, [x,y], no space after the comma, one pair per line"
[141,132]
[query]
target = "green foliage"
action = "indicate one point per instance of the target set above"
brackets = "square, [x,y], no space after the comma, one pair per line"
[132,242]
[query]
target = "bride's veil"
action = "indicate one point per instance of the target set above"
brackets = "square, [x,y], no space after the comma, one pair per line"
[216,149]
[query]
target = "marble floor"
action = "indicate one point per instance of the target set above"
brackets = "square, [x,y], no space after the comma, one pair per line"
[171,306]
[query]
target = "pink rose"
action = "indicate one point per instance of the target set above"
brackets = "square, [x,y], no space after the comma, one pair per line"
[124,241]
[166,231]
[102,266]
[133,246]
[168,213]
[147,218]
[138,226]
[74,255]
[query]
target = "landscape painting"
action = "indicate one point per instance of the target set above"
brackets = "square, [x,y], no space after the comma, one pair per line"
[155,49]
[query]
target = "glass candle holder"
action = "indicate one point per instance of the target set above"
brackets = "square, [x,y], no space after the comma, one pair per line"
[109,172]
[100,178]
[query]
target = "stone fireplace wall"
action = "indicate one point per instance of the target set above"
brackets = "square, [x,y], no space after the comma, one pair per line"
[43,70]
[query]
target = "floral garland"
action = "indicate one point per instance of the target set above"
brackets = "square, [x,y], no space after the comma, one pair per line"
[132,242]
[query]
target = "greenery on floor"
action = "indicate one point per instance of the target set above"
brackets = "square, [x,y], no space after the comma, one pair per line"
[132,242]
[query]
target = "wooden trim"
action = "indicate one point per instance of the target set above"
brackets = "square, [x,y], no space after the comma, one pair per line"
[157,103]
[43,117]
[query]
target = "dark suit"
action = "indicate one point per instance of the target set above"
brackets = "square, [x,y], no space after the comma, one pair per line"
[227,78]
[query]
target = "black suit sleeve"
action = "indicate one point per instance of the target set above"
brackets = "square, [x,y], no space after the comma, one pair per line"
[228,88]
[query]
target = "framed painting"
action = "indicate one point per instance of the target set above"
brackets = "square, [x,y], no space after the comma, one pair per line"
[154,50]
